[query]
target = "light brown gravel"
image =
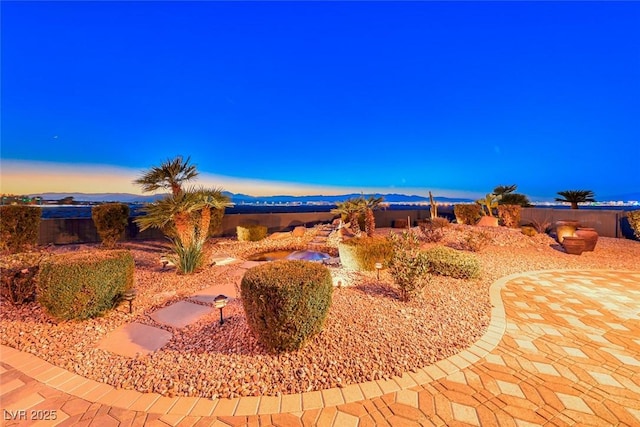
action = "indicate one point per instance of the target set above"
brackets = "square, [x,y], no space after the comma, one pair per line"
[369,334]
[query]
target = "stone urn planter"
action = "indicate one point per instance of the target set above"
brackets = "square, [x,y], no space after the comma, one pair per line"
[573,245]
[565,228]
[590,236]
[488,221]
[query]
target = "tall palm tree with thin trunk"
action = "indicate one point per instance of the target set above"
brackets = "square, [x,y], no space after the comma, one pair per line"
[576,196]
[170,175]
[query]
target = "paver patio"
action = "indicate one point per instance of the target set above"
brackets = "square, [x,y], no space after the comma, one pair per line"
[563,348]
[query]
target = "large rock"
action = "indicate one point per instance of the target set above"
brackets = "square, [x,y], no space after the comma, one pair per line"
[488,221]
[299,231]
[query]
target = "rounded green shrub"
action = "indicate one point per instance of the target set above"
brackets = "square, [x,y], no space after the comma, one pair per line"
[286,302]
[251,233]
[110,220]
[84,284]
[450,262]
[362,253]
[19,227]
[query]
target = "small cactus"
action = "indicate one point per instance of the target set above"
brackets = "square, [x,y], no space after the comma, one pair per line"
[489,203]
[434,206]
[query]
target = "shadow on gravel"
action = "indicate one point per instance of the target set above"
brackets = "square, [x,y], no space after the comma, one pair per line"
[378,289]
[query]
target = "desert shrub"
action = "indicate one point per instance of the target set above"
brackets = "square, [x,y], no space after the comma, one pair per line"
[433,229]
[362,253]
[81,285]
[19,227]
[467,213]
[408,265]
[541,225]
[110,220]
[476,241]
[528,230]
[286,302]
[509,215]
[18,276]
[450,262]
[186,259]
[251,233]
[634,221]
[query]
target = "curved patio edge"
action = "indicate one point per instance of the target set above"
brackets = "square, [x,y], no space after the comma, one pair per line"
[105,394]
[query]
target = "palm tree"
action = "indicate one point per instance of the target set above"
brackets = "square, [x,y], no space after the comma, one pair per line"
[169,175]
[508,197]
[370,205]
[350,210]
[185,218]
[576,196]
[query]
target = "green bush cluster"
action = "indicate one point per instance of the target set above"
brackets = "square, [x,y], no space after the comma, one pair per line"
[362,253]
[286,302]
[433,229]
[251,233]
[18,276]
[408,265]
[84,284]
[19,227]
[509,215]
[450,262]
[467,213]
[634,221]
[110,220]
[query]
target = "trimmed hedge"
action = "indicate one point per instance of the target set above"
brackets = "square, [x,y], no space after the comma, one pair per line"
[84,284]
[251,233]
[110,220]
[362,253]
[286,302]
[450,262]
[467,213]
[509,215]
[19,227]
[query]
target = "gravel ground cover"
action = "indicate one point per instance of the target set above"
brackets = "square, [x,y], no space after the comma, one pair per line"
[369,333]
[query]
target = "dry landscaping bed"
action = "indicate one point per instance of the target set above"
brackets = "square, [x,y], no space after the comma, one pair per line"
[369,333]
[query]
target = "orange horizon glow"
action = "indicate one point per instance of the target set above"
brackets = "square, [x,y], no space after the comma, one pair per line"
[29,178]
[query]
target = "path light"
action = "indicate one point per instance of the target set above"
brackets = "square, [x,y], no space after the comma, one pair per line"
[221,302]
[130,295]
[378,268]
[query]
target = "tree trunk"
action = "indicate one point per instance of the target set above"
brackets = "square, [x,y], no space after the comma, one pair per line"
[574,205]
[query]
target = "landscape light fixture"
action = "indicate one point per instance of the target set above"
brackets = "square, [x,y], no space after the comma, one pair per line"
[130,295]
[220,302]
[378,268]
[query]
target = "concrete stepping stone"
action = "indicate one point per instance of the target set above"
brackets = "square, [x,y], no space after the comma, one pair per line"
[250,264]
[135,338]
[207,295]
[223,260]
[180,314]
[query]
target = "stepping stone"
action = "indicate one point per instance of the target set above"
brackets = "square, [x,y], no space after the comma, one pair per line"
[135,338]
[223,260]
[180,314]
[250,264]
[207,295]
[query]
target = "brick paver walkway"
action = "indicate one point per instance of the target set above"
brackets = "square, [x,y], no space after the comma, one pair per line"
[563,348]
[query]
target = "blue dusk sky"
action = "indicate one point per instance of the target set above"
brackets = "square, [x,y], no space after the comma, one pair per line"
[323,97]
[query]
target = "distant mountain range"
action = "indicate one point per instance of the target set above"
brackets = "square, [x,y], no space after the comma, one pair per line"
[238,198]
